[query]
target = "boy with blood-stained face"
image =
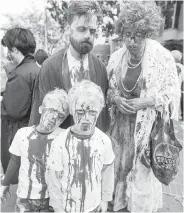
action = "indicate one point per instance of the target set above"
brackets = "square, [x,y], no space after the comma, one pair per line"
[81,175]
[85,114]
[30,151]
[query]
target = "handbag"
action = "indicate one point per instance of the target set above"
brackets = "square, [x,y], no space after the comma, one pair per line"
[162,154]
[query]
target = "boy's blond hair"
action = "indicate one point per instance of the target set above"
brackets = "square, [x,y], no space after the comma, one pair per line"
[58,94]
[86,89]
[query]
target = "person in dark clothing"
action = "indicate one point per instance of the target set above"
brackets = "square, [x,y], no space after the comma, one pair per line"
[40,57]
[17,97]
[74,63]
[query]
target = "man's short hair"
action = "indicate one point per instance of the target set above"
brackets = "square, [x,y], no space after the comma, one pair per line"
[40,56]
[20,38]
[83,8]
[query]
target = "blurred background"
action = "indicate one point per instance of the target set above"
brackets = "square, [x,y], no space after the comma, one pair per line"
[47,20]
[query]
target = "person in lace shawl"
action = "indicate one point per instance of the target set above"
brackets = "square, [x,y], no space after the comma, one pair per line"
[142,79]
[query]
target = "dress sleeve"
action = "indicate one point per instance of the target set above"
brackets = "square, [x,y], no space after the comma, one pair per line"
[17,98]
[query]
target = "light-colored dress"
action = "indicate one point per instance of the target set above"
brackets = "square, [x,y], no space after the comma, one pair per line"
[136,186]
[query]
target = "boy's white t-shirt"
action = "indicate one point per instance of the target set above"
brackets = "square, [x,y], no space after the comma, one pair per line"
[34,149]
[80,163]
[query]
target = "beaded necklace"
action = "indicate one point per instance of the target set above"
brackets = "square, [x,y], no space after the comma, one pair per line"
[133,66]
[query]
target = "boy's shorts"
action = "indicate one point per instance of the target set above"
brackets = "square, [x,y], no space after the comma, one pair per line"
[33,205]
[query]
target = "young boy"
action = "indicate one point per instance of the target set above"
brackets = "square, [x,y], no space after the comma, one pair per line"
[30,150]
[81,175]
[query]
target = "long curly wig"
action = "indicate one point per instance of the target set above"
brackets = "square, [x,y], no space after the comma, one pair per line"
[145,16]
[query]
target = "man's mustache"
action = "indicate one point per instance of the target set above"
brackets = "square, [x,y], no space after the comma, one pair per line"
[87,42]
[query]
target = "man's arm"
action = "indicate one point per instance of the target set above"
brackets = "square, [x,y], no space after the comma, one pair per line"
[10,177]
[35,116]
[41,87]
[12,171]
[16,98]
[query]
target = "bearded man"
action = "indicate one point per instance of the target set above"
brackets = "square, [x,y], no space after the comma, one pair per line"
[74,63]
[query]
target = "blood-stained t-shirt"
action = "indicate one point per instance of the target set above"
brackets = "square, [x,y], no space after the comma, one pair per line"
[33,147]
[78,164]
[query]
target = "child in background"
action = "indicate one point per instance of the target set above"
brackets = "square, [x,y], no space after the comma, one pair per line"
[30,151]
[81,174]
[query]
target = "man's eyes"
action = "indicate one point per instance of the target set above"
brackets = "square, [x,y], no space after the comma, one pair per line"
[92,31]
[81,29]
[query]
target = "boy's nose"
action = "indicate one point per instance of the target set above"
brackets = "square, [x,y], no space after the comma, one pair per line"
[55,115]
[87,116]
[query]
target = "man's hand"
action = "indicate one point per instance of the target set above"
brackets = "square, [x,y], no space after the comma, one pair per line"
[4,192]
[123,106]
[141,103]
[103,206]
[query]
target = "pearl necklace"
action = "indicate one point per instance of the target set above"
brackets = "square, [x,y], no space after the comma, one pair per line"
[133,66]
[130,90]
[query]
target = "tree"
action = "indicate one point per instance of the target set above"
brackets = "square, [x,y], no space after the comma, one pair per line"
[167,11]
[110,10]
[35,21]
[58,11]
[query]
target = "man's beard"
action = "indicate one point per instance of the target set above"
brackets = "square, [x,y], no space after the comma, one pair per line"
[82,47]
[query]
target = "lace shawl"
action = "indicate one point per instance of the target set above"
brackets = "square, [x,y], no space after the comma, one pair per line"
[160,81]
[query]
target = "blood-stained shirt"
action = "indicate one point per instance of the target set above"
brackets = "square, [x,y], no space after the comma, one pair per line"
[33,147]
[74,66]
[75,171]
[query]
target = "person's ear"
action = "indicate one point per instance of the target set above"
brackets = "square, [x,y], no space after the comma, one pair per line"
[40,110]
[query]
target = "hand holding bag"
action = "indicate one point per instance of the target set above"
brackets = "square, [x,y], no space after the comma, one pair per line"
[163,153]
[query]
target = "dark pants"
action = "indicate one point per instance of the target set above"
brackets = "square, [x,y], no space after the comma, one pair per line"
[33,205]
[181,100]
[5,155]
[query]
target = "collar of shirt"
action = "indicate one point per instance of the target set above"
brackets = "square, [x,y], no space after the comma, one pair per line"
[38,64]
[73,62]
